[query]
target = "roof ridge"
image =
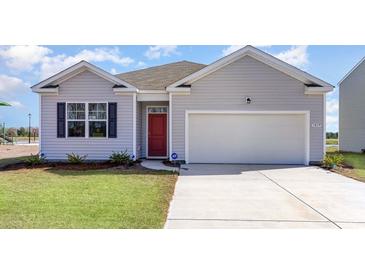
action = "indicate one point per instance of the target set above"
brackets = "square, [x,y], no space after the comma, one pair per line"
[138,70]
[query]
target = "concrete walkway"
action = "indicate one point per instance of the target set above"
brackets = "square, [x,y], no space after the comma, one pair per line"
[158,165]
[262,196]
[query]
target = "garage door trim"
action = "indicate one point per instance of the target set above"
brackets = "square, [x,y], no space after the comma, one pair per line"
[306,114]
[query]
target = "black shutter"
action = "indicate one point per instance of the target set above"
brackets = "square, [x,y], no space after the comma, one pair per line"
[112,120]
[61,120]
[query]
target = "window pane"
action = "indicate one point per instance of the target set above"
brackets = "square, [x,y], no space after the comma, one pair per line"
[97,129]
[102,107]
[71,115]
[80,115]
[71,107]
[76,111]
[76,129]
[92,115]
[101,115]
[81,107]
[92,107]
[157,109]
[97,111]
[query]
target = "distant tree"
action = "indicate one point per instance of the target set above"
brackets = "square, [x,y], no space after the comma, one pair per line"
[332,135]
[12,132]
[22,131]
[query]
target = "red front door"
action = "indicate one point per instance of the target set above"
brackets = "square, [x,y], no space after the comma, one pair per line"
[157,135]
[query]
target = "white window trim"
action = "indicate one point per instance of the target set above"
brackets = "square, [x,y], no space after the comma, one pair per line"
[306,113]
[87,120]
[167,130]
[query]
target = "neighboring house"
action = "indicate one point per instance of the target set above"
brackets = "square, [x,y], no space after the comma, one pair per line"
[248,107]
[352,109]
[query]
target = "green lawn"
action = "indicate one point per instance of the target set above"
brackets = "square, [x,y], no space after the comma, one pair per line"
[357,161]
[332,141]
[46,198]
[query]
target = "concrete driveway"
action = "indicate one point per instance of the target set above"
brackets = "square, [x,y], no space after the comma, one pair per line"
[263,196]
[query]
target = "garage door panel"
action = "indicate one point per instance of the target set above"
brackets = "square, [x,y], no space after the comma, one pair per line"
[247,138]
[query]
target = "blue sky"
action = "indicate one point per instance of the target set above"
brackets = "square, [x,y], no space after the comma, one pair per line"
[23,66]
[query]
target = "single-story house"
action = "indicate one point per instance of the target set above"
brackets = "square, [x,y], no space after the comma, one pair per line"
[352,109]
[247,107]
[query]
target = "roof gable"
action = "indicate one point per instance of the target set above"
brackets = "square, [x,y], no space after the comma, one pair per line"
[352,70]
[50,85]
[259,55]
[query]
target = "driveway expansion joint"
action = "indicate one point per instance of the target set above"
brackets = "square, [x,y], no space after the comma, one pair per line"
[299,199]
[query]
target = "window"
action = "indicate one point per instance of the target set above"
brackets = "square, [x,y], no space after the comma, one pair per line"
[76,120]
[95,114]
[157,109]
[97,119]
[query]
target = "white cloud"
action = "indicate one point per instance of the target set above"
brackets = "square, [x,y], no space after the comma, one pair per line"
[296,56]
[16,104]
[23,57]
[332,114]
[141,64]
[155,52]
[9,84]
[113,71]
[332,106]
[52,65]
[332,122]
[26,57]
[228,50]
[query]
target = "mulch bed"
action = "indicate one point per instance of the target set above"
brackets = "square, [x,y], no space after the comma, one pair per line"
[345,170]
[170,164]
[68,166]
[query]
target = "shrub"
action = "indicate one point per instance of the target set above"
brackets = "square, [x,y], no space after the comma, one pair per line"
[121,158]
[74,158]
[332,160]
[34,160]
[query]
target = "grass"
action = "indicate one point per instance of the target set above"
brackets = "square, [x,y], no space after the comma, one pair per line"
[332,141]
[46,198]
[354,160]
[25,139]
[357,161]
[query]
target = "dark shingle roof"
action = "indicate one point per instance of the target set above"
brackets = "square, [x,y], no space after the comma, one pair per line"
[158,78]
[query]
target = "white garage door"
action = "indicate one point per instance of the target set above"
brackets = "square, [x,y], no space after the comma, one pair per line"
[247,138]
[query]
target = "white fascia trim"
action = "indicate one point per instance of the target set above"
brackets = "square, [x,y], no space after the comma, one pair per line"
[306,113]
[124,90]
[348,74]
[125,93]
[46,90]
[178,89]
[77,68]
[143,97]
[258,55]
[152,91]
[317,90]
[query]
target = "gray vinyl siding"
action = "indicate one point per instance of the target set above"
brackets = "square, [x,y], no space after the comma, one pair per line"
[352,111]
[85,87]
[269,89]
[144,122]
